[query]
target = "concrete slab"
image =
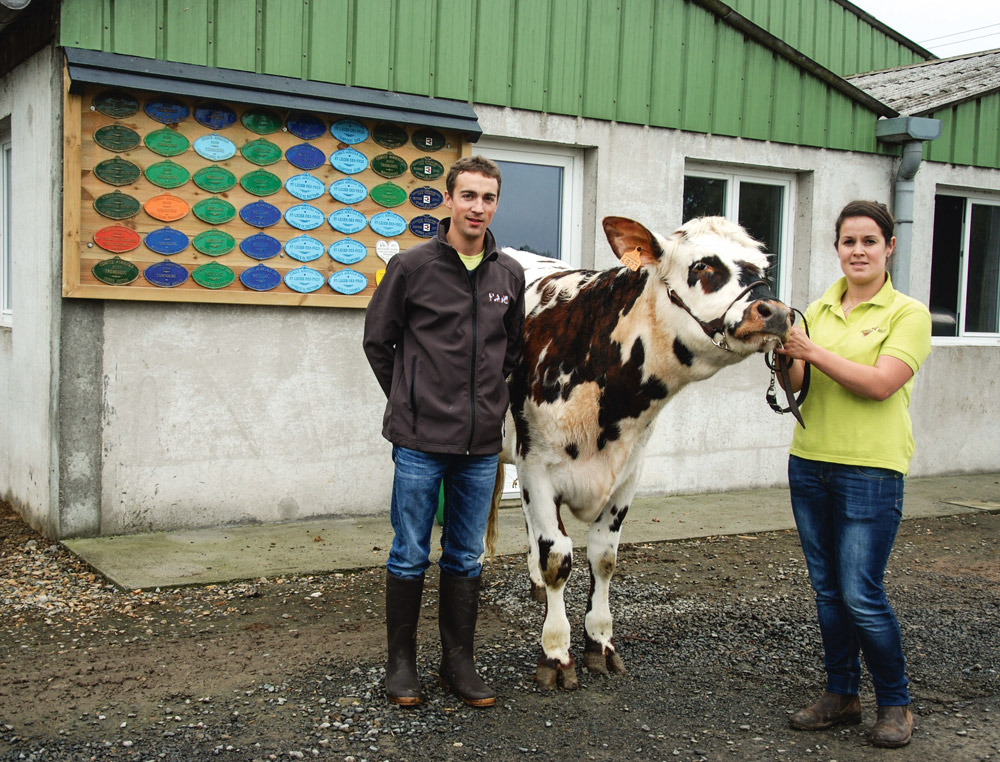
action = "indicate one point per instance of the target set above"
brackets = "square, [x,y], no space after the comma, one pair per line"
[207,556]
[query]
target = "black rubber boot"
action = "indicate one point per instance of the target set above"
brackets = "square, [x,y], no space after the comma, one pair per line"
[402,609]
[459,609]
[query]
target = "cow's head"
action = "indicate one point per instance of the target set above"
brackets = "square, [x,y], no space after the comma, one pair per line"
[716,272]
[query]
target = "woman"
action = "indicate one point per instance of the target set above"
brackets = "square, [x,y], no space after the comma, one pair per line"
[846,468]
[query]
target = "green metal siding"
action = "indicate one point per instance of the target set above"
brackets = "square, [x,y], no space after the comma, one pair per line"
[969,134]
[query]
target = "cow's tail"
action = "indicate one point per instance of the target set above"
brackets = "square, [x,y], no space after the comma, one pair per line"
[493,522]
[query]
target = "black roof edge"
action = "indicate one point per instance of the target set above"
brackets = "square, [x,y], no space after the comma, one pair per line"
[761,35]
[93,67]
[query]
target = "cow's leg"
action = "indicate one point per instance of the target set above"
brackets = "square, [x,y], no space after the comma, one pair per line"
[534,570]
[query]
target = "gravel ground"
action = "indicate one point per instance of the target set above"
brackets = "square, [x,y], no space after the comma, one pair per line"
[718,634]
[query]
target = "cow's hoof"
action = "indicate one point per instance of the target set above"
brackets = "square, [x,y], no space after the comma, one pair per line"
[604,663]
[551,675]
[537,593]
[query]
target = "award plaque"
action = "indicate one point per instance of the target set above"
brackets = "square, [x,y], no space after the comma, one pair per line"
[115,271]
[116,104]
[387,224]
[386,250]
[347,221]
[347,251]
[260,246]
[117,205]
[427,139]
[305,157]
[305,187]
[305,217]
[260,214]
[166,142]
[116,137]
[214,211]
[260,182]
[166,207]
[214,179]
[167,174]
[214,147]
[215,116]
[214,243]
[305,126]
[388,194]
[117,171]
[166,110]
[349,161]
[426,198]
[426,168]
[165,274]
[260,152]
[261,121]
[166,241]
[388,165]
[213,275]
[117,239]
[348,282]
[389,135]
[424,226]
[260,278]
[304,279]
[348,191]
[304,248]
[349,131]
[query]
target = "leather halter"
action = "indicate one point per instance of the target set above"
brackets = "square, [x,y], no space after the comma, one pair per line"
[781,365]
[715,327]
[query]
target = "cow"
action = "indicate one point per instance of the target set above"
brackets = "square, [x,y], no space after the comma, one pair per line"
[603,353]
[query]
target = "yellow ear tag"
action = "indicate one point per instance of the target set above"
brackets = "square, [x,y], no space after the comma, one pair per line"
[378,276]
[631,259]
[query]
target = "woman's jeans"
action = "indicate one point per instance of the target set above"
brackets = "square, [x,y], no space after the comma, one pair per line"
[468,492]
[847,517]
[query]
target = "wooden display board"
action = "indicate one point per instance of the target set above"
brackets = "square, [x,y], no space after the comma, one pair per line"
[86,229]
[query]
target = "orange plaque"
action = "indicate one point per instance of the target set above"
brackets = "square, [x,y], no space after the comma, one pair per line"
[166,207]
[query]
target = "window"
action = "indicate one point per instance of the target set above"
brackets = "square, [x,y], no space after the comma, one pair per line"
[965,267]
[757,201]
[6,240]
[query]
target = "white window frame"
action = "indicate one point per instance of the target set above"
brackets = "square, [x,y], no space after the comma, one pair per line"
[570,159]
[6,218]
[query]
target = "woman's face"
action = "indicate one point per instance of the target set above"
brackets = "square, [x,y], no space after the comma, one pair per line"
[863,251]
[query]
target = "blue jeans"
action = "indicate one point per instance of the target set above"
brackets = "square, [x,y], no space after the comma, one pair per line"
[847,517]
[468,492]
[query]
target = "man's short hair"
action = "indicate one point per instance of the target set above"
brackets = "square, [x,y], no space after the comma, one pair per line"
[479,164]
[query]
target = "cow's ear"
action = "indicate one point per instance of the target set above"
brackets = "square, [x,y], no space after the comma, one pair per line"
[631,242]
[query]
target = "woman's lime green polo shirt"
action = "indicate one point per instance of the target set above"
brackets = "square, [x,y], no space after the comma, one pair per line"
[842,427]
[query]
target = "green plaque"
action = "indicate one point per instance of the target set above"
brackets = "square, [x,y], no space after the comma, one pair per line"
[116,103]
[116,137]
[262,121]
[389,135]
[388,165]
[167,174]
[166,142]
[214,179]
[117,205]
[426,168]
[214,211]
[115,271]
[260,182]
[427,139]
[388,194]
[117,171]
[261,152]
[214,243]
[213,275]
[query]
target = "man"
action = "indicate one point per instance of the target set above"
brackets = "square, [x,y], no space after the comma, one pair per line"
[442,333]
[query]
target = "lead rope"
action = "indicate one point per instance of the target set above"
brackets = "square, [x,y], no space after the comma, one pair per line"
[779,363]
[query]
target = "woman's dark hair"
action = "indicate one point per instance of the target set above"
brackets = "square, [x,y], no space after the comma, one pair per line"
[871,209]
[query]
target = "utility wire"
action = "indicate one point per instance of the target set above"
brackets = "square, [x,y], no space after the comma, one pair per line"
[955,34]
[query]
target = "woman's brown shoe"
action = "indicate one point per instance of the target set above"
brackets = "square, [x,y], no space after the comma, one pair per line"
[893,727]
[831,709]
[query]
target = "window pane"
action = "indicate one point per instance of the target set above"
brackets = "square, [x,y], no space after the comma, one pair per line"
[529,216]
[704,197]
[760,214]
[946,264]
[983,282]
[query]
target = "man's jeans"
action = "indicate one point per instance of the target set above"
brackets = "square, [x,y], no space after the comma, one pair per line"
[847,517]
[468,492]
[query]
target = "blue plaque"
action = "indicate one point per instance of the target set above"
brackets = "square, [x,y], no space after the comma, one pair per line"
[348,281]
[260,214]
[387,224]
[305,187]
[165,274]
[347,251]
[304,248]
[349,131]
[304,279]
[426,198]
[260,278]
[347,221]
[305,216]
[424,226]
[348,191]
[305,156]
[166,110]
[305,126]
[215,116]
[215,147]
[166,241]
[349,161]
[260,246]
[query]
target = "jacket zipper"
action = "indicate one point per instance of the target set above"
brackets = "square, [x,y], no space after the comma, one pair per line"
[474,282]
[413,393]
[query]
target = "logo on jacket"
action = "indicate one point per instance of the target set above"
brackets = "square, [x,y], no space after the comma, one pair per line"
[499,298]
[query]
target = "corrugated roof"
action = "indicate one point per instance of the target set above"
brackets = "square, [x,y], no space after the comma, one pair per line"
[923,88]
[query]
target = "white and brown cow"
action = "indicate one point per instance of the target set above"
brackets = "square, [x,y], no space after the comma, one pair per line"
[603,353]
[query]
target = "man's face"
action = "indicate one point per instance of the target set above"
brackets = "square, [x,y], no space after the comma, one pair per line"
[473,204]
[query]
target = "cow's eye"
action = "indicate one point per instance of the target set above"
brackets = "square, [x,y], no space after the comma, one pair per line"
[699,266]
